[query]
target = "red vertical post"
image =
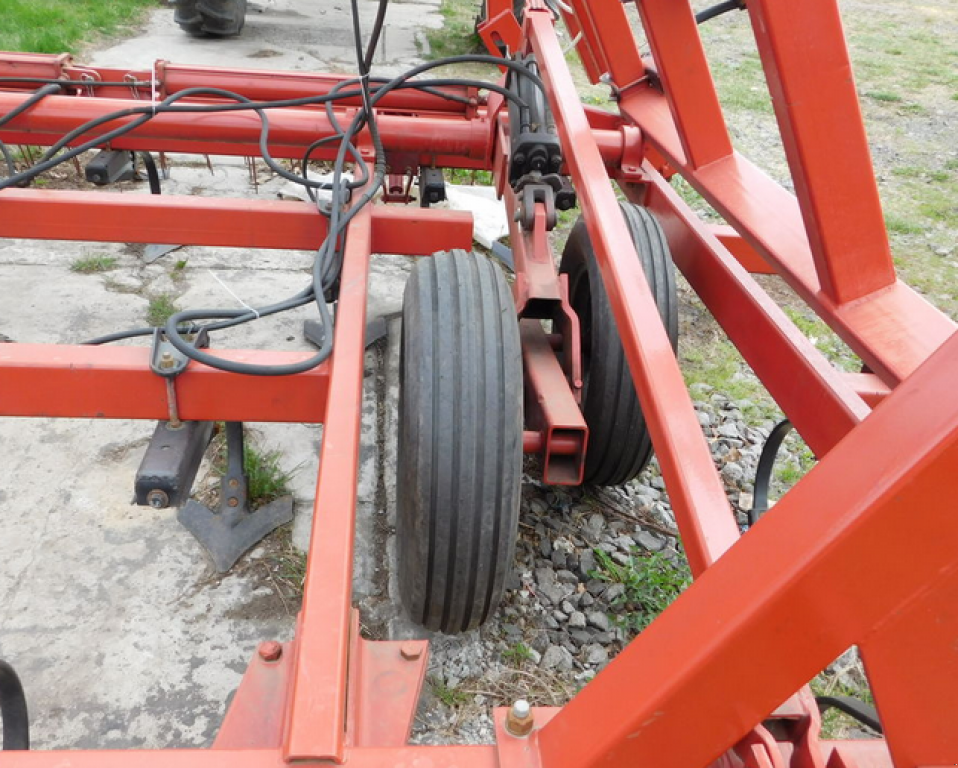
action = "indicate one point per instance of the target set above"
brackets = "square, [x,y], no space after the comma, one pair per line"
[809,75]
[684,71]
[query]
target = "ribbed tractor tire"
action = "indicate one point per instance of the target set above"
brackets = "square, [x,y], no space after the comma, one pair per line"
[619,442]
[211,18]
[459,463]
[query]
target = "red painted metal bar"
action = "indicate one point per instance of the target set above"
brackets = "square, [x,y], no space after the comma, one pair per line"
[607,22]
[909,659]
[255,717]
[385,678]
[116,383]
[832,555]
[819,401]
[809,75]
[684,72]
[869,387]
[225,222]
[744,253]
[267,85]
[476,756]
[291,130]
[445,141]
[534,442]
[893,330]
[697,496]
[552,408]
[315,726]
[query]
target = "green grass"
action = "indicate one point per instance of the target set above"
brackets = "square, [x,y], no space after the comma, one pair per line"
[517,654]
[161,307]
[651,583]
[464,176]
[58,26]
[448,695]
[93,264]
[458,34]
[825,339]
[717,362]
[266,479]
[883,96]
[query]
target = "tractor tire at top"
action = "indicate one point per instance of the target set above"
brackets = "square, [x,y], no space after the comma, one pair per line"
[619,442]
[211,18]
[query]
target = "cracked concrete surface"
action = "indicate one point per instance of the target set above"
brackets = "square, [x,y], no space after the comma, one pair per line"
[111,613]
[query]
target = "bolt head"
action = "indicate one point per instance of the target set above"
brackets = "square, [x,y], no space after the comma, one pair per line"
[410,651]
[270,650]
[157,499]
[519,719]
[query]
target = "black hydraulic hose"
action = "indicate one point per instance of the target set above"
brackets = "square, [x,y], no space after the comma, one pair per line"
[151,172]
[377,31]
[862,712]
[717,10]
[763,475]
[13,710]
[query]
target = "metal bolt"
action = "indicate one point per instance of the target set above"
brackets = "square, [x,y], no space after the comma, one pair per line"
[270,650]
[519,721]
[233,501]
[410,651]
[157,499]
[166,360]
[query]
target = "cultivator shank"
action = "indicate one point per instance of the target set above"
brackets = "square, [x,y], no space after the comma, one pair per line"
[720,677]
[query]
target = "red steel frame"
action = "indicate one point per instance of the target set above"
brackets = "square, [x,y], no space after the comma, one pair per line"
[832,565]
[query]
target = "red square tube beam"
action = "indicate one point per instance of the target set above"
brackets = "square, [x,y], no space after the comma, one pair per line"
[551,408]
[316,713]
[830,566]
[116,383]
[224,222]
[698,498]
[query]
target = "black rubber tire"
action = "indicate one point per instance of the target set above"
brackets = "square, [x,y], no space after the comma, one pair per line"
[619,442]
[459,464]
[211,18]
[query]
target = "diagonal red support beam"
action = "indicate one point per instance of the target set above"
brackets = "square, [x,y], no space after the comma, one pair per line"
[698,498]
[823,570]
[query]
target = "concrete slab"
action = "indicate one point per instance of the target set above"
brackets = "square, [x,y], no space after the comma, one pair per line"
[111,613]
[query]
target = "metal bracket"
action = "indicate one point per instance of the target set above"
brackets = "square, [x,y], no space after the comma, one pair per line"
[235,528]
[167,361]
[552,190]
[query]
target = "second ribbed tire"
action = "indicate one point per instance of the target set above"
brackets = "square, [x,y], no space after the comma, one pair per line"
[619,442]
[459,462]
